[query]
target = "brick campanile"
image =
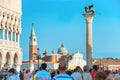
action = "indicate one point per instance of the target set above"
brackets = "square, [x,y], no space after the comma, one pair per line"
[33,45]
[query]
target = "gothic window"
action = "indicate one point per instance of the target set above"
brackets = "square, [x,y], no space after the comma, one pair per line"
[0,33]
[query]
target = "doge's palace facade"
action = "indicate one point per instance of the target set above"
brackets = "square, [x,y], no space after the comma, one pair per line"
[10,30]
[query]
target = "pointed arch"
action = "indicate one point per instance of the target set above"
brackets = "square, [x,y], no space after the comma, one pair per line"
[15,59]
[7,59]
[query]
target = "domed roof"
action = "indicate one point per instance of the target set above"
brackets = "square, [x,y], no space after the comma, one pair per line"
[62,50]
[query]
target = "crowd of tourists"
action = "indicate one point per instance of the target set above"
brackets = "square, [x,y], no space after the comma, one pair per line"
[62,73]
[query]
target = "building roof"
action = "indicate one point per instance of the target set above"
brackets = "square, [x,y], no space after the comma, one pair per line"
[32,31]
[106,61]
[47,58]
[36,62]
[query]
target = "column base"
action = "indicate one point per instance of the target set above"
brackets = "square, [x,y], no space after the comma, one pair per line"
[1,66]
[18,68]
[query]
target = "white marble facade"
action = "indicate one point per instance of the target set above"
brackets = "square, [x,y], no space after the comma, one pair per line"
[77,60]
[10,30]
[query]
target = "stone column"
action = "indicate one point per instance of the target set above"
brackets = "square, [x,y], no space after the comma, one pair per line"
[11,36]
[10,65]
[7,34]
[15,36]
[18,38]
[18,67]
[89,19]
[3,31]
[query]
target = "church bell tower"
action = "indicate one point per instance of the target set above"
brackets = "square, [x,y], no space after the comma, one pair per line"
[33,45]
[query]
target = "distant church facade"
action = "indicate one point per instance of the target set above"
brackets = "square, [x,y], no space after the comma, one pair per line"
[53,58]
[10,30]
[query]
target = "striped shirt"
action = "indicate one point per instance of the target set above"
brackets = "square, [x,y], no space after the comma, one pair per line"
[62,77]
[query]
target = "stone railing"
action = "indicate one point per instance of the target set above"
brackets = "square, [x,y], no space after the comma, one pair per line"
[11,44]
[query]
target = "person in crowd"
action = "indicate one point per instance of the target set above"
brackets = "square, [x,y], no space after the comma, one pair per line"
[53,73]
[13,75]
[62,76]
[30,74]
[117,76]
[76,75]
[116,71]
[81,72]
[34,75]
[101,69]
[58,72]
[26,75]
[86,74]
[43,74]
[100,76]
[110,75]
[94,71]
[21,75]
[69,72]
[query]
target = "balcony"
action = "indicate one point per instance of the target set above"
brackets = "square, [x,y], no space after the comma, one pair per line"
[11,44]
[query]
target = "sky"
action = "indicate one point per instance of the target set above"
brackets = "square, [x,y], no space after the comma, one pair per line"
[61,21]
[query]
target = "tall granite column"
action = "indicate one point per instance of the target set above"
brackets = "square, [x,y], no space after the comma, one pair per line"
[89,19]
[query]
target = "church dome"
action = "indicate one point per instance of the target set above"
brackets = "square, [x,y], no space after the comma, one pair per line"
[62,50]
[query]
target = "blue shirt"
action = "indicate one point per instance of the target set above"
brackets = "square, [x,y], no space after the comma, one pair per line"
[62,77]
[13,77]
[43,75]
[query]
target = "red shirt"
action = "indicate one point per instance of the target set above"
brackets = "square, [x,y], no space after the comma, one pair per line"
[93,75]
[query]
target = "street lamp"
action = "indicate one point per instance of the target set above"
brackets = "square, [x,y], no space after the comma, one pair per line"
[38,56]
